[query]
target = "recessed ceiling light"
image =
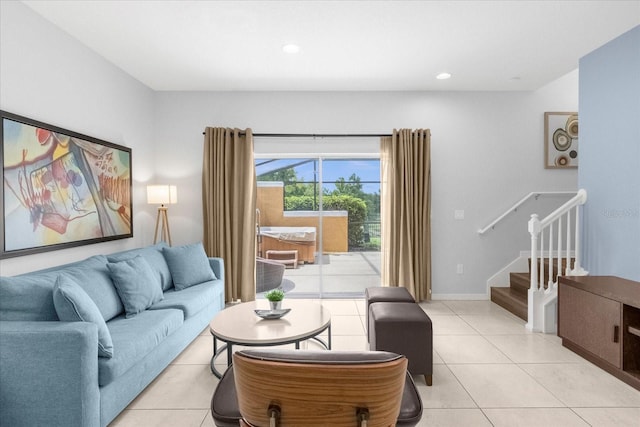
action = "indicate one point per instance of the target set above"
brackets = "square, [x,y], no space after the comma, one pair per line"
[291,48]
[443,76]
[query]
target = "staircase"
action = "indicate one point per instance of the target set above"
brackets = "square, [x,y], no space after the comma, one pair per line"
[555,240]
[513,298]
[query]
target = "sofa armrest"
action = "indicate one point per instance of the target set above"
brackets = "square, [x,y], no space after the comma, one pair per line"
[217,265]
[49,373]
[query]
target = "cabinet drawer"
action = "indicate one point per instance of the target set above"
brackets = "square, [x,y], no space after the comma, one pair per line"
[591,321]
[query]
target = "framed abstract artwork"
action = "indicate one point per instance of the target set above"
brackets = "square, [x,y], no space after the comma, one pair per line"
[61,189]
[560,140]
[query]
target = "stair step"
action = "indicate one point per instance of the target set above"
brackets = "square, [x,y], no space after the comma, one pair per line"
[511,300]
[515,297]
[520,282]
[563,263]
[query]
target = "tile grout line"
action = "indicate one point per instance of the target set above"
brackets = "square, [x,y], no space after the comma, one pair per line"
[206,421]
[501,352]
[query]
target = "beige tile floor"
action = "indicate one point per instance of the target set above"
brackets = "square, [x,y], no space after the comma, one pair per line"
[488,371]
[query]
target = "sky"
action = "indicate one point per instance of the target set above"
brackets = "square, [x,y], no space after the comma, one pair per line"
[333,169]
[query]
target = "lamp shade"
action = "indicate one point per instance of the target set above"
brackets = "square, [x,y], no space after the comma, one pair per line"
[162,194]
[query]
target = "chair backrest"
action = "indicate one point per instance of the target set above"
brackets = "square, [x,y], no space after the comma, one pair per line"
[312,388]
[269,274]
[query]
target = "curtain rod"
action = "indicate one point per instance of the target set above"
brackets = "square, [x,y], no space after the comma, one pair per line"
[322,135]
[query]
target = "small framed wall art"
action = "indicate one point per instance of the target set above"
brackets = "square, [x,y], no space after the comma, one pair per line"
[560,140]
[61,188]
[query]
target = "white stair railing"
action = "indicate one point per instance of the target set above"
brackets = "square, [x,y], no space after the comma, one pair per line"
[542,304]
[516,205]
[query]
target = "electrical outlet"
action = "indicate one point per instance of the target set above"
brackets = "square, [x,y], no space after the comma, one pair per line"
[460,269]
[458,214]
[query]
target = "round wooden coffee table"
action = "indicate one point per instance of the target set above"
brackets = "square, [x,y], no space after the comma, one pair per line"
[239,325]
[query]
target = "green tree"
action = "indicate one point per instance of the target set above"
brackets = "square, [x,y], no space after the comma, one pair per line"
[352,187]
[293,186]
[284,175]
[372,201]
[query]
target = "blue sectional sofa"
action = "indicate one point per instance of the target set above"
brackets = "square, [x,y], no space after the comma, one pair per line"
[125,317]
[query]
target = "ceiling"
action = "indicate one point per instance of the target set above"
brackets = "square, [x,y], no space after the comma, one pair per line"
[344,45]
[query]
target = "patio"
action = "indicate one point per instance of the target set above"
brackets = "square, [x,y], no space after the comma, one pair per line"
[338,275]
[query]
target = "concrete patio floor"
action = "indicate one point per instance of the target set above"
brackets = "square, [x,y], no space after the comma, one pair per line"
[336,275]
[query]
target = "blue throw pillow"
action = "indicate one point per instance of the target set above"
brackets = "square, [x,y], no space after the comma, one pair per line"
[136,284]
[153,255]
[189,265]
[72,304]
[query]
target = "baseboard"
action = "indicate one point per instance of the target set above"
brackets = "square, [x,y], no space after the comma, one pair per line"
[460,297]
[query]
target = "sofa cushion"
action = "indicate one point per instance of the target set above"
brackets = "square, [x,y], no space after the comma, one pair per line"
[136,283]
[93,276]
[30,296]
[153,255]
[190,300]
[74,305]
[27,298]
[133,338]
[189,265]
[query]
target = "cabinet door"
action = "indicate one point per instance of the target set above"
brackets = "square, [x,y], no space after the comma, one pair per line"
[590,321]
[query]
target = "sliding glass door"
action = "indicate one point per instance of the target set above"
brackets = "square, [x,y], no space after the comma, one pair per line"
[289,224]
[353,186]
[319,216]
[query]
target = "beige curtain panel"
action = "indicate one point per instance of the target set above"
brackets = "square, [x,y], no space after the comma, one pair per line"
[229,206]
[405,198]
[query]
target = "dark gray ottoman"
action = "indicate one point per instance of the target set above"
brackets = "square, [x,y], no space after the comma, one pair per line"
[403,328]
[385,294]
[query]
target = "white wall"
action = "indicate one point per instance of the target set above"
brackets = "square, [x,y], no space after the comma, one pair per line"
[487,148]
[487,152]
[48,76]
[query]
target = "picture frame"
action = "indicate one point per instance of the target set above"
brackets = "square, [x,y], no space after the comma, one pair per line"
[60,189]
[561,140]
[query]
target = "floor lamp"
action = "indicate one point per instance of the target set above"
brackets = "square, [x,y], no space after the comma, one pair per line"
[162,195]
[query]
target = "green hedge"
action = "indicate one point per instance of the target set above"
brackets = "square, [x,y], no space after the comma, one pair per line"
[299,203]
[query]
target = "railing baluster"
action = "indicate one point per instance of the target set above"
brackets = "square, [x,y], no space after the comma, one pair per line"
[537,308]
[550,256]
[567,270]
[534,224]
[576,266]
[541,286]
[559,268]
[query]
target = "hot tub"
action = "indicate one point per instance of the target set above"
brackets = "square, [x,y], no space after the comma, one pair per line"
[301,239]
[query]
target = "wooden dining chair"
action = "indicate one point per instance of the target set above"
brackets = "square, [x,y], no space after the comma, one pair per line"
[283,388]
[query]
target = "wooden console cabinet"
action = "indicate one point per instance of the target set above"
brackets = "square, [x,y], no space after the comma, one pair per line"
[599,319]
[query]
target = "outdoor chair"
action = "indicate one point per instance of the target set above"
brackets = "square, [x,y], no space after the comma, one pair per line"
[268,275]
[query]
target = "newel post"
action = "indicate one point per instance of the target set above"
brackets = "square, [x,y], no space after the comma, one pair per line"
[577,268]
[534,230]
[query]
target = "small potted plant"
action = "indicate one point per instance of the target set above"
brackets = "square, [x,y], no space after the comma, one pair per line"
[275,297]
